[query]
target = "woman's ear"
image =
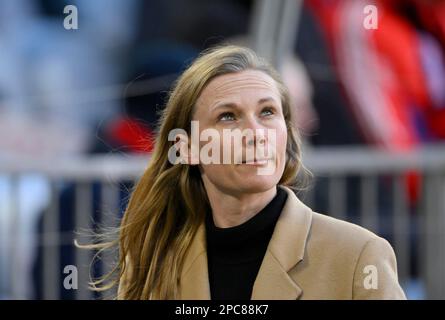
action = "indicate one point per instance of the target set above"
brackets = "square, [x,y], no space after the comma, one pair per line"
[186,153]
[193,152]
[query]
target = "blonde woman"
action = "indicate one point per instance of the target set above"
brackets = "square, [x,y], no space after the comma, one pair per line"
[200,229]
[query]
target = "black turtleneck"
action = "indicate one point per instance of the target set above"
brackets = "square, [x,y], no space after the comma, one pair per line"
[235,254]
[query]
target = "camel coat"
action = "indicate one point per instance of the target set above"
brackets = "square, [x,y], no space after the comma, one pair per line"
[310,256]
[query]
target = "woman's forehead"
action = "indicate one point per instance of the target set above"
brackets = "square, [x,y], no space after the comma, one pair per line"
[234,84]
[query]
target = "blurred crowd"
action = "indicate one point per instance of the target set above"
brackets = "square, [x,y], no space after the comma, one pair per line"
[351,85]
[99,89]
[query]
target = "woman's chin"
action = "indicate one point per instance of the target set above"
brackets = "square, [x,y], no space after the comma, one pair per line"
[256,183]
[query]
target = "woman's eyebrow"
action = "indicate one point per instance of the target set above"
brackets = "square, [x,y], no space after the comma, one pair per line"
[267,99]
[225,105]
[234,105]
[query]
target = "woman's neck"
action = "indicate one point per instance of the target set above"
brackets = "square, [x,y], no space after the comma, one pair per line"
[230,210]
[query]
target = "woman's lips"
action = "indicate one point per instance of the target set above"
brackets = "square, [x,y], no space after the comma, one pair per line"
[256,162]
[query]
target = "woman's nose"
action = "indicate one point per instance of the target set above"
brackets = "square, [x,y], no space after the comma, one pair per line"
[255,140]
[255,133]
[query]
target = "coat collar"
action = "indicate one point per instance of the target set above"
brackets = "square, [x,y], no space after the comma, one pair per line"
[285,250]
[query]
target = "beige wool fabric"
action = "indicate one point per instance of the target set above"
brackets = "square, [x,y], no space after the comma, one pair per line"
[310,256]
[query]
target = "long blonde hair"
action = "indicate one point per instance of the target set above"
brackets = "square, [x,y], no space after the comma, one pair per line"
[169,202]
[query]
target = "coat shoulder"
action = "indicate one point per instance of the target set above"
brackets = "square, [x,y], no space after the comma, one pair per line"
[337,254]
[339,233]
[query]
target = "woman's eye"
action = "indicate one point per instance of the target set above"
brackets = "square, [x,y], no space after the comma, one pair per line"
[226,116]
[267,111]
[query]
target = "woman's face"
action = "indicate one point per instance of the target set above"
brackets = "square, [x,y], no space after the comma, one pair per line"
[250,102]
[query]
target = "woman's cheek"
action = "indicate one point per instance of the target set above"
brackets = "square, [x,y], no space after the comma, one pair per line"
[282,144]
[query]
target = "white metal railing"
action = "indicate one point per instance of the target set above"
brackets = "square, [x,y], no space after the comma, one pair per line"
[331,167]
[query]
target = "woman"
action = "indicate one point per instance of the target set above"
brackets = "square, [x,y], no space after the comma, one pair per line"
[233,228]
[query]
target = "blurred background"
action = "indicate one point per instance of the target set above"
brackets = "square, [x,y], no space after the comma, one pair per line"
[79,107]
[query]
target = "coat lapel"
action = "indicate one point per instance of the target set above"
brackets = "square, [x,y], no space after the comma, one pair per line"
[285,250]
[194,283]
